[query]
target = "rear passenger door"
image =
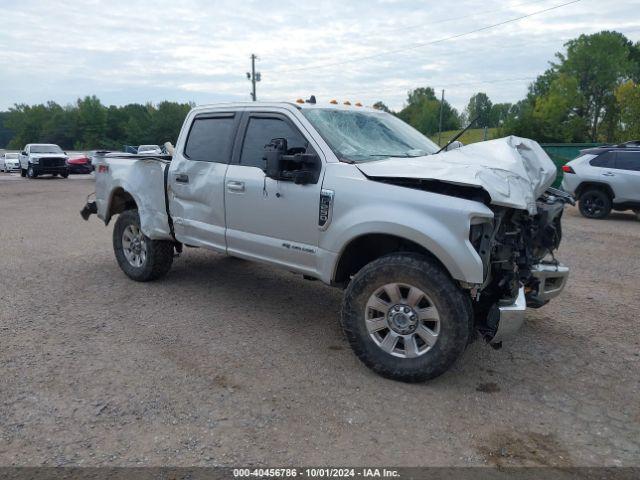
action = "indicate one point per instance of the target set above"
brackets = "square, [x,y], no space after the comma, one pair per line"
[627,171]
[196,179]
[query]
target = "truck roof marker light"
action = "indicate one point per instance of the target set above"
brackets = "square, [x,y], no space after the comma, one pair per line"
[347,102]
[358,104]
[299,100]
[333,102]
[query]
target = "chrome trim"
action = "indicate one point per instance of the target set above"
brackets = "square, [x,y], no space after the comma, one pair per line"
[544,272]
[511,318]
[325,208]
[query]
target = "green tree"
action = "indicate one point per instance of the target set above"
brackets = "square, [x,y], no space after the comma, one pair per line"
[557,112]
[422,111]
[92,123]
[479,107]
[499,114]
[381,106]
[166,121]
[628,98]
[600,63]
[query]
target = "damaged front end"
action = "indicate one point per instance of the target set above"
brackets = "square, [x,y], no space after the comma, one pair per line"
[517,249]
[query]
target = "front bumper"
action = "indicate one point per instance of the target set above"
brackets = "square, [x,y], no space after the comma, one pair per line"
[12,168]
[552,279]
[80,169]
[40,170]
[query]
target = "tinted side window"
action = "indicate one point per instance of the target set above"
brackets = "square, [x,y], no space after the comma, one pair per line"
[628,161]
[210,139]
[605,160]
[260,131]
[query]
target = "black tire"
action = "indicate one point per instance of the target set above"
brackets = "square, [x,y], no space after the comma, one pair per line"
[159,253]
[31,173]
[23,172]
[64,175]
[594,204]
[452,304]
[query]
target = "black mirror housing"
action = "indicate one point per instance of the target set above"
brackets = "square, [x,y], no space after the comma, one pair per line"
[301,168]
[273,153]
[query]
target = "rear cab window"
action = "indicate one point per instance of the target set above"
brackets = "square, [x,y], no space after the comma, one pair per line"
[211,137]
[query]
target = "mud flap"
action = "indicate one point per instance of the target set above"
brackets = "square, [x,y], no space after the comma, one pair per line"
[89,209]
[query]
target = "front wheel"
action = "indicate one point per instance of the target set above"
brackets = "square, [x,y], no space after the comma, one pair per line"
[141,258]
[31,173]
[405,318]
[64,175]
[23,172]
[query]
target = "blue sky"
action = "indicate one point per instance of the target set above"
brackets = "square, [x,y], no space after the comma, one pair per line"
[193,50]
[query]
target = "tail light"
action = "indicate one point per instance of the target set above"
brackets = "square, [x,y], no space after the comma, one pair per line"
[567,169]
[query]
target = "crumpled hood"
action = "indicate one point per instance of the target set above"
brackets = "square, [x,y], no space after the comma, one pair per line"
[514,171]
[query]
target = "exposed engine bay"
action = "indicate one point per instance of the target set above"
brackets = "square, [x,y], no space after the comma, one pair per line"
[515,247]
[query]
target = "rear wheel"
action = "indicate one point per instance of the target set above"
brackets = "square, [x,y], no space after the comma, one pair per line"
[141,258]
[405,318]
[594,204]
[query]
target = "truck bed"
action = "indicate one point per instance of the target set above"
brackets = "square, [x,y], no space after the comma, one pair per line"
[143,178]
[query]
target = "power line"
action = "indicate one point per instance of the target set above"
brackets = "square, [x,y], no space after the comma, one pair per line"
[454,19]
[420,45]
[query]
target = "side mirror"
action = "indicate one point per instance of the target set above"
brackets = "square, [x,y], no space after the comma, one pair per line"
[273,153]
[454,145]
[300,168]
[23,152]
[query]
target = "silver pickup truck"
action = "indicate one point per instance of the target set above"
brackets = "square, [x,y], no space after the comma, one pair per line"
[432,248]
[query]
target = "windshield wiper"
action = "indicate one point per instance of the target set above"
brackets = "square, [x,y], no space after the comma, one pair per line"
[459,134]
[400,155]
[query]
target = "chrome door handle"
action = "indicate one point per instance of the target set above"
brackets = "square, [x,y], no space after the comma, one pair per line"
[235,187]
[182,178]
[609,174]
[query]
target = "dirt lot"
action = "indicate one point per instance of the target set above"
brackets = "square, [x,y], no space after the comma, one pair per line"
[226,362]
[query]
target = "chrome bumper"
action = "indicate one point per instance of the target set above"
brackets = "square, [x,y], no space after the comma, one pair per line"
[511,318]
[552,280]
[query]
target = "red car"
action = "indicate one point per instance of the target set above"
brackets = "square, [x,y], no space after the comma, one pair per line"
[80,164]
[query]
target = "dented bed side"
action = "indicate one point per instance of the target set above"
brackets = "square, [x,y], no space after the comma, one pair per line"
[123,179]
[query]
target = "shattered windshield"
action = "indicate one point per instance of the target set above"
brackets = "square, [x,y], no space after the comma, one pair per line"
[366,136]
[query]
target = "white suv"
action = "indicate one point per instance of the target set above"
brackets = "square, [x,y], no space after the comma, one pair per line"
[605,179]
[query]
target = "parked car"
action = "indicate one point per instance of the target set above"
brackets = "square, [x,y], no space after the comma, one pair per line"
[43,158]
[604,179]
[149,150]
[431,247]
[80,164]
[10,162]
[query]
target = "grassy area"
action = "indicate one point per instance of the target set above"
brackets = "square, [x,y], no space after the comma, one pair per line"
[470,136]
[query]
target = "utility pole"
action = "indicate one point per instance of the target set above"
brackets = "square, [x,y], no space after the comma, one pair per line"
[440,124]
[253,76]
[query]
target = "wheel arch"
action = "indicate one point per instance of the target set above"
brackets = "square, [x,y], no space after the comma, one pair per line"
[585,186]
[365,248]
[119,200]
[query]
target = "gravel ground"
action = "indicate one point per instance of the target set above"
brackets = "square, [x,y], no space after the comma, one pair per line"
[225,362]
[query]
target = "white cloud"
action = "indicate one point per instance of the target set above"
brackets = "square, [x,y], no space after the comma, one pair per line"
[138,51]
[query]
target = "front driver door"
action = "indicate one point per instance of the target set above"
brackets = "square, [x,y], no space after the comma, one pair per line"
[270,220]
